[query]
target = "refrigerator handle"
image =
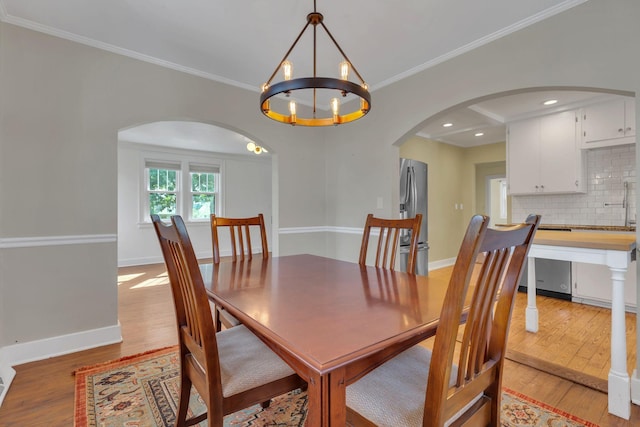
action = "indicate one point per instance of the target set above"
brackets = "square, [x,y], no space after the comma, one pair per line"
[407,195]
[409,204]
[414,191]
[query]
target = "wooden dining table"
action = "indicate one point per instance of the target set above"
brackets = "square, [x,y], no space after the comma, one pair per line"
[332,321]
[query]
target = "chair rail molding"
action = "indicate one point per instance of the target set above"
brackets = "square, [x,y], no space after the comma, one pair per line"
[321,229]
[29,242]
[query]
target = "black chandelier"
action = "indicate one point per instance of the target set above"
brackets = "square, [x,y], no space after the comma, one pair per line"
[341,86]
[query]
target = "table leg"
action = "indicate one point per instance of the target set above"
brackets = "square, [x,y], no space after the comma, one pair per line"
[327,400]
[531,314]
[337,398]
[314,404]
[619,383]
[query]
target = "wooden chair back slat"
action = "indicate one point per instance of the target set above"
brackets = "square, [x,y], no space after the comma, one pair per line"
[198,343]
[388,240]
[240,234]
[488,267]
[196,330]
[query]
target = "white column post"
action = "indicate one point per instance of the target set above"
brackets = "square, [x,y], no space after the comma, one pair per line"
[619,383]
[635,377]
[531,314]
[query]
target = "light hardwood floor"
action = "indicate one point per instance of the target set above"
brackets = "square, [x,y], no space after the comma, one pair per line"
[42,393]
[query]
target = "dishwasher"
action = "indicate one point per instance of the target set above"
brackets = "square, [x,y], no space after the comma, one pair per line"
[553,277]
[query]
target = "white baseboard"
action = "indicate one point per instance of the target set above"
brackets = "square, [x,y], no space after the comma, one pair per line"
[441,263]
[7,373]
[130,262]
[603,304]
[32,351]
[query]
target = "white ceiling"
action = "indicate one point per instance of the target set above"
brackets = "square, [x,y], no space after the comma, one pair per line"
[240,42]
[189,136]
[490,117]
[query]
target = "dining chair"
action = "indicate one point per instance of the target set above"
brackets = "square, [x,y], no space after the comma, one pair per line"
[241,248]
[420,387]
[231,369]
[240,234]
[391,232]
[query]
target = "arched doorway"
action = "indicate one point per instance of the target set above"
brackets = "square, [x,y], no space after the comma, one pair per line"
[200,169]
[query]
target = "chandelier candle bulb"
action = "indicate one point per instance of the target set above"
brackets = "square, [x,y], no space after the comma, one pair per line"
[335,106]
[287,70]
[292,111]
[344,70]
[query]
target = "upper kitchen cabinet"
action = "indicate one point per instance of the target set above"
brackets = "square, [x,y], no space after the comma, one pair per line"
[543,156]
[609,123]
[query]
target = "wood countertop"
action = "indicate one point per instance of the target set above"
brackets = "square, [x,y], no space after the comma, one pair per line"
[569,227]
[577,239]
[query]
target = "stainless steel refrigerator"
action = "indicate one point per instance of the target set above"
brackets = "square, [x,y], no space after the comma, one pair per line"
[413,200]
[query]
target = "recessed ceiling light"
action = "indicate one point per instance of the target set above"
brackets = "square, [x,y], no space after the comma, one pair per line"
[479,134]
[447,125]
[550,102]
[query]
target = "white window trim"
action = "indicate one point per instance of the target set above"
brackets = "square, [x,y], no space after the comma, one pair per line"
[160,164]
[188,202]
[185,160]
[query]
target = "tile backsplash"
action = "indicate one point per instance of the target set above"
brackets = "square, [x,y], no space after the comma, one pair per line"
[608,169]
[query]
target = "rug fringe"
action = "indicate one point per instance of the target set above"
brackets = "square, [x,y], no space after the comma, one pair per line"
[125,358]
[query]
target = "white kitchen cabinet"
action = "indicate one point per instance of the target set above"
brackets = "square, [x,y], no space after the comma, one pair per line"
[543,156]
[592,285]
[609,123]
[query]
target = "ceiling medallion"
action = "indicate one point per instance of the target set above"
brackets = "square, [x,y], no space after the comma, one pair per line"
[342,87]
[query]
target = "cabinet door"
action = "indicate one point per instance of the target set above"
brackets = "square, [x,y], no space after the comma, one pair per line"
[559,153]
[523,151]
[603,121]
[592,284]
[630,117]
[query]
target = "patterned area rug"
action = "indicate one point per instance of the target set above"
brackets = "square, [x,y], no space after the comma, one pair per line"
[142,391]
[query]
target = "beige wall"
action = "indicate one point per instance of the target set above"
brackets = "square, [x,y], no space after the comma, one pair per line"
[62,104]
[452,181]
[484,170]
[479,162]
[61,107]
[446,163]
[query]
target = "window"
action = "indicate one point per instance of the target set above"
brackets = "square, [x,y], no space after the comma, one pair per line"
[181,188]
[163,181]
[204,191]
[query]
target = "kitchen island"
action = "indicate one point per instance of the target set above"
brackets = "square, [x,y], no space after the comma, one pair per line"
[616,251]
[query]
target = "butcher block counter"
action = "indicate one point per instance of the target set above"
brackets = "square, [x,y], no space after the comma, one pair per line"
[616,251]
[581,239]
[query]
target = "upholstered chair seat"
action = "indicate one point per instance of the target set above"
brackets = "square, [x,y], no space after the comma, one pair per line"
[246,362]
[393,394]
